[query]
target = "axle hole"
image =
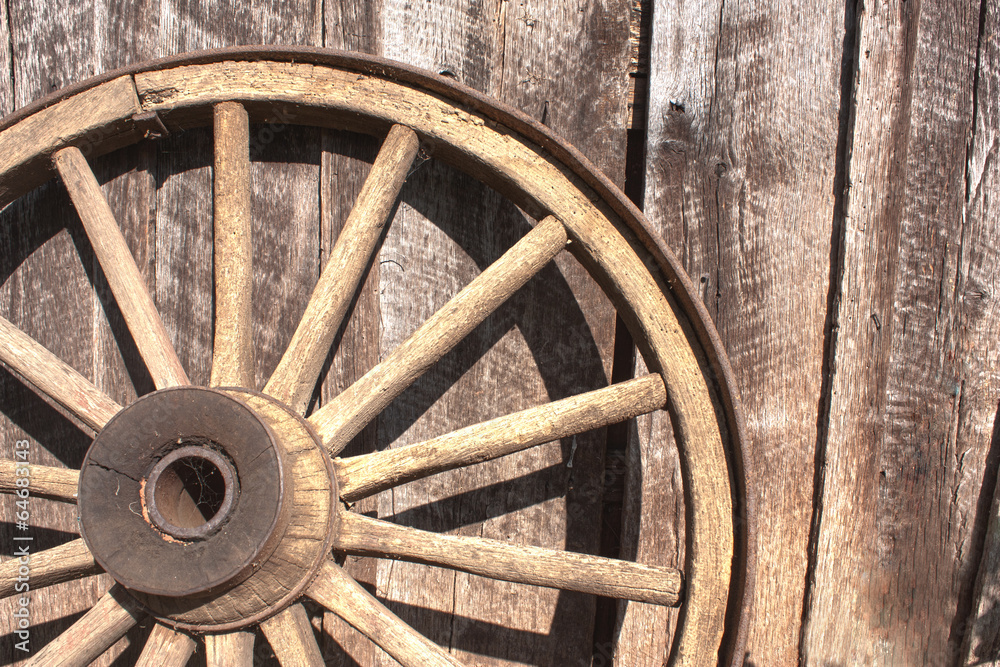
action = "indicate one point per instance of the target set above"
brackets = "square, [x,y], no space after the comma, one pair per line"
[190,492]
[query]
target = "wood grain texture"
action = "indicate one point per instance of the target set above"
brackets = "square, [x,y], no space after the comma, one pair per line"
[522,564]
[740,167]
[291,637]
[347,158]
[232,649]
[6,85]
[361,476]
[67,562]
[54,378]
[54,46]
[336,591]
[95,120]
[45,481]
[281,576]
[294,380]
[343,417]
[166,647]
[232,351]
[645,303]
[115,257]
[47,293]
[113,615]
[980,269]
[564,65]
[911,396]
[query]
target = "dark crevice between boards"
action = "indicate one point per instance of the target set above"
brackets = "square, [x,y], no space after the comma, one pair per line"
[841,193]
[606,614]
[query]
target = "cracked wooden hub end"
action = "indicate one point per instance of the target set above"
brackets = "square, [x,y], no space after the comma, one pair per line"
[209,485]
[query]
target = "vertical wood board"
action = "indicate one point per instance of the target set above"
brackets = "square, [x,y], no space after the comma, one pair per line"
[740,175]
[980,274]
[911,392]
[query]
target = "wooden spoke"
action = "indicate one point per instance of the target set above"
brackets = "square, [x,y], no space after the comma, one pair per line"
[294,378]
[344,417]
[54,378]
[109,620]
[361,476]
[339,593]
[45,481]
[66,562]
[291,636]
[166,647]
[363,536]
[232,649]
[232,355]
[123,275]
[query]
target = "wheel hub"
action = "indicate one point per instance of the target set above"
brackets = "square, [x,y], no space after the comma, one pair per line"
[203,485]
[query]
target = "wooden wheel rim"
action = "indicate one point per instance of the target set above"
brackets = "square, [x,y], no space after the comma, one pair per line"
[536,171]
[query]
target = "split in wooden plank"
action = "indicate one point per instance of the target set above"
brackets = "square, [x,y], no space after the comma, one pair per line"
[339,593]
[363,536]
[295,377]
[290,634]
[54,378]
[232,352]
[46,481]
[166,647]
[66,562]
[344,416]
[119,267]
[362,476]
[107,622]
[230,649]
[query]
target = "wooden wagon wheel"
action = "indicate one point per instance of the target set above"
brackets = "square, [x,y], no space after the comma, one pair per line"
[238,496]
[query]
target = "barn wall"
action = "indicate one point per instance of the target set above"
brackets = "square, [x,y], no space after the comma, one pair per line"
[827,173]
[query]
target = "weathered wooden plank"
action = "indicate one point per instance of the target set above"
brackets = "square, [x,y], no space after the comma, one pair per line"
[744,194]
[50,298]
[284,210]
[54,46]
[912,392]
[978,272]
[530,56]
[6,83]
[347,158]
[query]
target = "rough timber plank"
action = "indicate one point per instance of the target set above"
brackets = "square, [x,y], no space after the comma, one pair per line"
[6,84]
[914,382]
[50,297]
[981,269]
[346,161]
[347,158]
[284,175]
[743,191]
[432,249]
